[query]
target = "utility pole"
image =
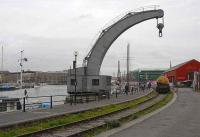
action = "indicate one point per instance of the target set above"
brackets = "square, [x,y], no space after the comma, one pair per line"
[75,79]
[118,78]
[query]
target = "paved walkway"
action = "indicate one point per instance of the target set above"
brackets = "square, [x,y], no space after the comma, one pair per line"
[181,119]
[10,118]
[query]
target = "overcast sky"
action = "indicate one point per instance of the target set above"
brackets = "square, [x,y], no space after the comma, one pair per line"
[49,31]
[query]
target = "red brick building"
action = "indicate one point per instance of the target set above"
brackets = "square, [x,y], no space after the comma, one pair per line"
[183,72]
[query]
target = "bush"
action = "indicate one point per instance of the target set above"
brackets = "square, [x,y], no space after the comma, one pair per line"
[112,124]
[135,116]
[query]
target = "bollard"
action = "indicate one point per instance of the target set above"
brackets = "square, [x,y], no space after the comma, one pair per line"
[51,102]
[81,98]
[24,104]
[75,99]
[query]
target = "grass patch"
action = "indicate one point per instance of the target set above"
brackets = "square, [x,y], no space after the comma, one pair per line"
[197,90]
[155,106]
[72,118]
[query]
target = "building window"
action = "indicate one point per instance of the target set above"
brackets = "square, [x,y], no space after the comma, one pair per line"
[72,81]
[95,82]
[3,106]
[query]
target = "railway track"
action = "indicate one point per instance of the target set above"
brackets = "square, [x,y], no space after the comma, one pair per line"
[77,128]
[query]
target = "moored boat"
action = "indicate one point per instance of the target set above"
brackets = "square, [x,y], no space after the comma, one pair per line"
[7,87]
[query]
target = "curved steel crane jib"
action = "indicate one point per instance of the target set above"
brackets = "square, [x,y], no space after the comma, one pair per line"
[111,33]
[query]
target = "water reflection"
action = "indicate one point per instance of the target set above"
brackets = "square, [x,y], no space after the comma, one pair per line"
[47,90]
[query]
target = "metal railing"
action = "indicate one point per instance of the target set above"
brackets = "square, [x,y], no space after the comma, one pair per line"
[31,102]
[47,103]
[28,103]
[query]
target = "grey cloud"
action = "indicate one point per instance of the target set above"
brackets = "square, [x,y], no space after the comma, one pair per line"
[50,31]
[85,16]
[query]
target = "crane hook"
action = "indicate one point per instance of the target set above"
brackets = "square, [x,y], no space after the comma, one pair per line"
[160,26]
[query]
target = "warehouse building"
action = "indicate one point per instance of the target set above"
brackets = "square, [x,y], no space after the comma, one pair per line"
[144,75]
[184,72]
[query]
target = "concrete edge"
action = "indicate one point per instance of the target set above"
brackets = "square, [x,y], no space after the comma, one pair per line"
[131,123]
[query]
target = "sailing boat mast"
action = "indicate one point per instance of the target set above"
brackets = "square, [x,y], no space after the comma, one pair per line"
[2,59]
[21,65]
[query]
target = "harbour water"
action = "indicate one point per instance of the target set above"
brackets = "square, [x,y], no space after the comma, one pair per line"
[47,90]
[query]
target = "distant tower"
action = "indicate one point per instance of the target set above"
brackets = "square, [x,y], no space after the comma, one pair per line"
[118,72]
[128,62]
[170,65]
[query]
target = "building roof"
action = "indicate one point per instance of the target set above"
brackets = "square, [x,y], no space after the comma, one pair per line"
[4,72]
[149,69]
[180,65]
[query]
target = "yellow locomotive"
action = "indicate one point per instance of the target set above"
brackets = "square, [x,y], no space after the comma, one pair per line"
[163,85]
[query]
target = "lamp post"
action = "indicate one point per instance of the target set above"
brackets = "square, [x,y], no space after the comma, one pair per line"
[75,79]
[21,65]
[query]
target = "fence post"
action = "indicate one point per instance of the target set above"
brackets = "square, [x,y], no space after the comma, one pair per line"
[51,101]
[71,99]
[24,104]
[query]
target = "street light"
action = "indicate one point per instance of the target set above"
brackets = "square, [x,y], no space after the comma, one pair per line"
[21,64]
[74,65]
